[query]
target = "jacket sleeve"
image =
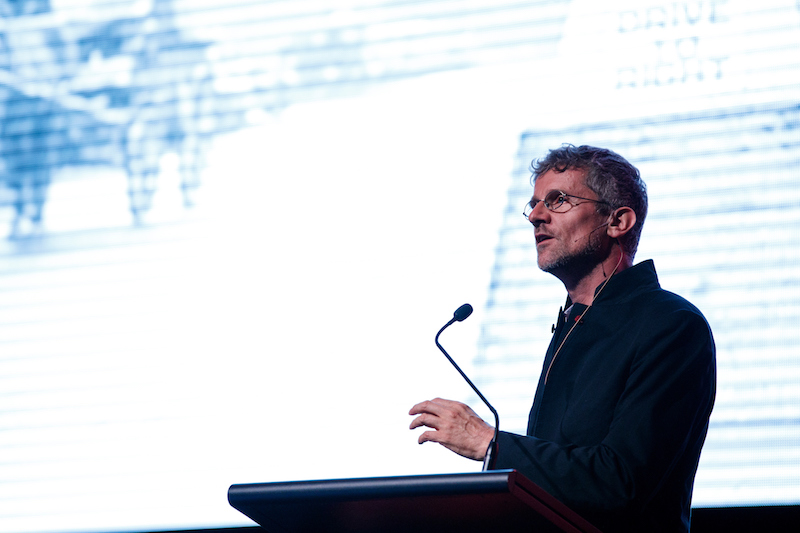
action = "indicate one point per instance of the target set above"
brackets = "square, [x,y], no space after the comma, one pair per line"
[657,429]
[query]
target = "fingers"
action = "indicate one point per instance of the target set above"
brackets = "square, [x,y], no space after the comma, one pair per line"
[434,406]
[419,408]
[423,420]
[432,413]
[455,426]
[427,419]
[429,436]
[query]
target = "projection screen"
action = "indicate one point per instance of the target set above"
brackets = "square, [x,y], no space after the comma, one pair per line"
[229,231]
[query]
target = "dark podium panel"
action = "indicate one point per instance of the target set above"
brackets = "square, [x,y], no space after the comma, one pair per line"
[501,500]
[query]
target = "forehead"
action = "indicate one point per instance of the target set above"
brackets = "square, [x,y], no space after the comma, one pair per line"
[571,181]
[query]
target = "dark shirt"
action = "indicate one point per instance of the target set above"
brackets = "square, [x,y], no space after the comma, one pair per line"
[616,430]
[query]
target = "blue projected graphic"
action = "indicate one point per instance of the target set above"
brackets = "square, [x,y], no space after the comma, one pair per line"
[230,229]
[120,92]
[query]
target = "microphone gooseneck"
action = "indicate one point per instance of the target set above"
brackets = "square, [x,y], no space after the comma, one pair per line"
[460,315]
[595,229]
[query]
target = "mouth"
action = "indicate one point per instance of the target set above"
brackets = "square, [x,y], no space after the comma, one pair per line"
[541,238]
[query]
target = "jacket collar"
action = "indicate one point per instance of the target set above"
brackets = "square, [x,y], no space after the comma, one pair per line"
[631,281]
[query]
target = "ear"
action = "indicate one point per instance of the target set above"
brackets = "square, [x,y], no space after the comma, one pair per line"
[621,221]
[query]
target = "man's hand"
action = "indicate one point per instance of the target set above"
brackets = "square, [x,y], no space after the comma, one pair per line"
[456,426]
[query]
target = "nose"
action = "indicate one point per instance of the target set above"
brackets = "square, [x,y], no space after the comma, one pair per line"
[538,214]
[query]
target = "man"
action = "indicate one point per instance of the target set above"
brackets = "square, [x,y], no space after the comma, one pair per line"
[622,406]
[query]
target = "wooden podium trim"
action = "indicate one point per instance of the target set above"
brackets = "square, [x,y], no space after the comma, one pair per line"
[501,500]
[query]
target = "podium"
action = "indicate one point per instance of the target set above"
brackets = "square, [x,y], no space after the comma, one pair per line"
[501,500]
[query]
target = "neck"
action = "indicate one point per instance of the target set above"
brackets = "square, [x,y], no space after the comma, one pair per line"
[581,290]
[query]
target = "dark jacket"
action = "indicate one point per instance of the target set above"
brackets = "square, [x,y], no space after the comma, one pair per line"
[616,431]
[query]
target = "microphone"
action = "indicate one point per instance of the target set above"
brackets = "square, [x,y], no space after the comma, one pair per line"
[595,229]
[460,315]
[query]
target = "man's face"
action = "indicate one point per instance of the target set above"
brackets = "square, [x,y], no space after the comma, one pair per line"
[567,242]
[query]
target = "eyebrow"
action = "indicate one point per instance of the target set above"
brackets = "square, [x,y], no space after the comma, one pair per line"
[533,197]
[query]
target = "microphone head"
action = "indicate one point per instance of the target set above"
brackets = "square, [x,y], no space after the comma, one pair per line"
[462,312]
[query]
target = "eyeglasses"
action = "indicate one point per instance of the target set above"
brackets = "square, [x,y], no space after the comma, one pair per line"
[556,201]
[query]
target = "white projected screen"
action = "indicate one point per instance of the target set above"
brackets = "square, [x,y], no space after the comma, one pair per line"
[229,230]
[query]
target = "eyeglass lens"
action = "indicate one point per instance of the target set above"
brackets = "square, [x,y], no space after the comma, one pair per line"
[554,201]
